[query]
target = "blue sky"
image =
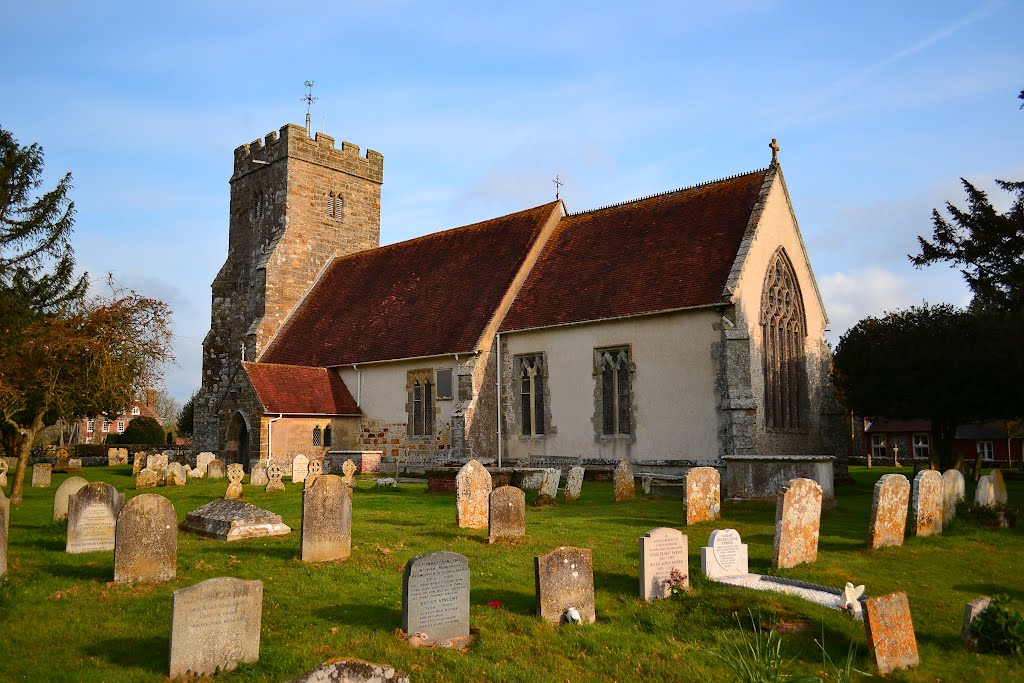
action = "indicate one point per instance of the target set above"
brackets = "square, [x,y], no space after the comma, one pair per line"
[879,108]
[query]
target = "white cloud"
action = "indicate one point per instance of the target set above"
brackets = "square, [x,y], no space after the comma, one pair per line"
[856,294]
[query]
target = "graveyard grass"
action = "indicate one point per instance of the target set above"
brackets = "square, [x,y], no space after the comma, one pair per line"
[62,620]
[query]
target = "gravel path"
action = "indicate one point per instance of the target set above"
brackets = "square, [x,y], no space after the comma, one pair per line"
[825,598]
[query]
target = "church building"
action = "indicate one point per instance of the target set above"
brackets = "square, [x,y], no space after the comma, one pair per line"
[680,327]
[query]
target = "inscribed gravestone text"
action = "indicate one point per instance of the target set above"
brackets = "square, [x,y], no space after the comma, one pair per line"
[435,597]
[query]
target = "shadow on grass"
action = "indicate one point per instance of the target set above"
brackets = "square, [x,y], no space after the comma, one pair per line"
[616,583]
[990,589]
[149,654]
[103,572]
[371,616]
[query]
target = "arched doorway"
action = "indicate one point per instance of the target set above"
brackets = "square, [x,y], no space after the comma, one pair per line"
[236,445]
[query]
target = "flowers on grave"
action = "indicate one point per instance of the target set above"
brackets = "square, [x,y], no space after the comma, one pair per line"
[678,582]
[495,604]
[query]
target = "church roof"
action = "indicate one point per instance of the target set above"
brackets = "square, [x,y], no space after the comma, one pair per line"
[666,252]
[297,390]
[428,296]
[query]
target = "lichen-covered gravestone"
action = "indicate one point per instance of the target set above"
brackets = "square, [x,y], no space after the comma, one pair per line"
[998,486]
[889,511]
[233,520]
[315,470]
[67,488]
[472,490]
[952,492]
[351,670]
[565,579]
[662,550]
[3,473]
[724,555]
[117,456]
[175,475]
[258,475]
[147,479]
[985,493]
[215,470]
[146,541]
[797,523]
[549,485]
[574,483]
[926,506]
[158,463]
[138,462]
[5,525]
[506,514]
[435,597]
[204,459]
[326,520]
[890,632]
[703,495]
[274,476]
[41,475]
[625,487]
[92,516]
[215,626]
[300,468]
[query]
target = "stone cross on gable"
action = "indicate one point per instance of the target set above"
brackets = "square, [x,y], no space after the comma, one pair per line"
[775,150]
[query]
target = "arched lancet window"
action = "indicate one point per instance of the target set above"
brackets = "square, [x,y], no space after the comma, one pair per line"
[783,328]
[532,396]
[316,436]
[616,400]
[327,436]
[417,408]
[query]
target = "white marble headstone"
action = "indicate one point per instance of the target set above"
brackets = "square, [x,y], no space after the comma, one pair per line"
[725,555]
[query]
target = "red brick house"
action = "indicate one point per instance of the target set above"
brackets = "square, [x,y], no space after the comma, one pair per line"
[990,439]
[95,430]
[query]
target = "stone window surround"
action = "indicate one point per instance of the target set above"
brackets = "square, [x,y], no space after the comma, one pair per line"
[791,391]
[598,419]
[516,395]
[423,375]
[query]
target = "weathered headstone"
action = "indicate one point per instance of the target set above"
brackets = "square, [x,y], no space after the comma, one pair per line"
[351,670]
[724,555]
[215,626]
[472,491]
[435,597]
[565,579]
[506,516]
[138,462]
[117,456]
[5,525]
[3,473]
[625,487]
[74,466]
[797,523]
[204,459]
[146,541]
[147,479]
[971,612]
[316,468]
[61,464]
[985,493]
[532,480]
[549,486]
[233,520]
[348,468]
[661,551]
[703,495]
[92,516]
[175,475]
[67,488]
[274,476]
[998,486]
[952,491]
[889,511]
[258,475]
[41,475]
[574,483]
[890,632]
[236,473]
[926,505]
[326,520]
[300,468]
[215,470]
[196,473]
[158,463]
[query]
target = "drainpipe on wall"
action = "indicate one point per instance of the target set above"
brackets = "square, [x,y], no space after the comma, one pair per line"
[498,375]
[359,384]
[270,437]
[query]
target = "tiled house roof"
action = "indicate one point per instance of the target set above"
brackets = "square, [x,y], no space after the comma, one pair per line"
[428,296]
[666,252]
[297,390]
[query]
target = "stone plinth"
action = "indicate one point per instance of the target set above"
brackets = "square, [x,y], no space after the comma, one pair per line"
[762,477]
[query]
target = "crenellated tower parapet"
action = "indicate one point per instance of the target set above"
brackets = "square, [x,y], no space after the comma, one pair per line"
[294,141]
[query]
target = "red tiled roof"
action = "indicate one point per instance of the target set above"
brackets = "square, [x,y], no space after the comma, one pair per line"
[424,297]
[666,252]
[297,390]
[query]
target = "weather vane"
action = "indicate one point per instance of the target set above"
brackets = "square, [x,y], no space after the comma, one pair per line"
[558,186]
[309,99]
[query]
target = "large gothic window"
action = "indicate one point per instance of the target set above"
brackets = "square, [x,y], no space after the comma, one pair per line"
[784,329]
[615,409]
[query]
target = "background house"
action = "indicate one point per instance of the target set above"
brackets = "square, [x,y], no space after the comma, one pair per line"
[95,429]
[990,439]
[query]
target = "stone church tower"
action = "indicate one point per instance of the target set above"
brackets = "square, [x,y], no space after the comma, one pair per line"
[296,203]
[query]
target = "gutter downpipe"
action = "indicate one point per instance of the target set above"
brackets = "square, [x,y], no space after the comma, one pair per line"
[498,382]
[359,384]
[270,437]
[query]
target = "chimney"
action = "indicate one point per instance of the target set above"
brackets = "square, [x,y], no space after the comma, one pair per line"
[151,398]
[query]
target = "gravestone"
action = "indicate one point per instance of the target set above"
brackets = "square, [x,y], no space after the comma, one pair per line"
[274,475]
[175,475]
[233,520]
[146,541]
[117,456]
[326,520]
[574,483]
[74,466]
[532,480]
[92,516]
[61,464]
[348,469]
[138,462]
[889,511]
[315,470]
[215,626]
[985,493]
[625,487]
[351,670]
[565,579]
[258,475]
[3,473]
[158,463]
[215,470]
[998,486]
[67,488]
[971,612]
[472,490]
[703,495]
[236,473]
[725,555]
[204,459]
[146,479]
[926,504]
[953,486]
[797,523]
[506,514]
[41,475]
[890,632]
[196,473]
[5,525]
[661,551]
[300,468]
[435,597]
[549,486]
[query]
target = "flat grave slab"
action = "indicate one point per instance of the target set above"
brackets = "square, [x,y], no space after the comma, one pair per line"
[233,520]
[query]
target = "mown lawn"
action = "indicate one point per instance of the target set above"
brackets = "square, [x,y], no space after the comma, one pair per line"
[61,619]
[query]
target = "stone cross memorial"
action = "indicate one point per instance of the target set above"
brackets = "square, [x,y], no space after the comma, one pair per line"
[300,468]
[889,511]
[725,555]
[146,541]
[565,580]
[41,475]
[274,475]
[926,506]
[953,486]
[5,525]
[472,490]
[236,473]
[348,468]
[891,632]
[316,468]
[574,483]
[661,551]
[506,514]
[625,487]
[326,520]
[215,626]
[435,597]
[549,485]
[797,523]
[67,488]
[92,517]
[703,495]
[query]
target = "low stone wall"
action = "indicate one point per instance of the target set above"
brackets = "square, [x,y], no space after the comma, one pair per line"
[762,477]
